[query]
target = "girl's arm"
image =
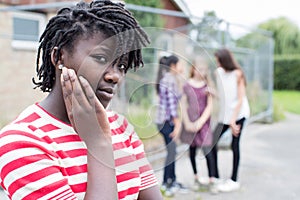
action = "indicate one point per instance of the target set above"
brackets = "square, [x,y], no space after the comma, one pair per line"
[188,124]
[185,117]
[196,125]
[206,113]
[241,92]
[177,128]
[88,117]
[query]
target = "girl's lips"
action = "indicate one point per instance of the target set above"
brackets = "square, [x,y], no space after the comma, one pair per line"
[105,94]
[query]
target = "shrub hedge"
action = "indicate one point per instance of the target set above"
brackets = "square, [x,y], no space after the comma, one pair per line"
[287,72]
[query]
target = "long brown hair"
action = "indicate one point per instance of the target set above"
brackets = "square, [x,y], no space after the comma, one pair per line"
[227,61]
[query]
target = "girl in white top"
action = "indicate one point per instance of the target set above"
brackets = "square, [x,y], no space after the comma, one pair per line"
[234,109]
[233,101]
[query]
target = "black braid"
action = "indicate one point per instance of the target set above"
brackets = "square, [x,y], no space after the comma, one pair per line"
[86,19]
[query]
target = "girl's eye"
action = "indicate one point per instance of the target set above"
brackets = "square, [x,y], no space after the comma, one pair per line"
[122,67]
[101,59]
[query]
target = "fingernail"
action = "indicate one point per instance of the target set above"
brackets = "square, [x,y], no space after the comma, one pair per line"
[64,73]
[70,72]
[63,70]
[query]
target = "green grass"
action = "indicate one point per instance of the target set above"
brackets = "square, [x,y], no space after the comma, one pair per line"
[143,121]
[143,124]
[287,100]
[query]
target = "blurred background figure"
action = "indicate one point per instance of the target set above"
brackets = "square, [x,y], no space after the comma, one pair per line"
[234,110]
[197,108]
[168,122]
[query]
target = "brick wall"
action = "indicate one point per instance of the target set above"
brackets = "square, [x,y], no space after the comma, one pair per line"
[178,41]
[16,70]
[173,22]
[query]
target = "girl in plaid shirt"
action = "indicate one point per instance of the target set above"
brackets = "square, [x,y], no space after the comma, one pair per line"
[167,120]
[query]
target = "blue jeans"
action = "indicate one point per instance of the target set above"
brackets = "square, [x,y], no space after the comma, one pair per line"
[169,170]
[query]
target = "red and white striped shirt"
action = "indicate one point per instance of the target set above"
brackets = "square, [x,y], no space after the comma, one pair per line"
[43,158]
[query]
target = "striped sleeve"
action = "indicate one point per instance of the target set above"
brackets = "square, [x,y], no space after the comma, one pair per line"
[29,170]
[148,178]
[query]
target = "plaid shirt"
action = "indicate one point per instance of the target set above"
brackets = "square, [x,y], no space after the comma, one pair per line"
[169,96]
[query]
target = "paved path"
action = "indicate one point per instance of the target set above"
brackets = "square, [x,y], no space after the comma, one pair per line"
[269,166]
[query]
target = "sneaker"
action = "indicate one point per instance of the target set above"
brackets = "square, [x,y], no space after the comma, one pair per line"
[216,181]
[178,187]
[203,180]
[166,191]
[213,188]
[163,188]
[229,186]
[200,186]
[214,185]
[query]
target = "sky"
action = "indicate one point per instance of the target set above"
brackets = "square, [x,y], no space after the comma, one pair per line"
[249,13]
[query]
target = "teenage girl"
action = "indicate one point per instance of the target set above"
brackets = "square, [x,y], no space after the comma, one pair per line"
[197,108]
[168,122]
[234,110]
[70,145]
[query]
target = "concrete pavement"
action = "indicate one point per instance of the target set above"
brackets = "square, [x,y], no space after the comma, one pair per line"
[269,165]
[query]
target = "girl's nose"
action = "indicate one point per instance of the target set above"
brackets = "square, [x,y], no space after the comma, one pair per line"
[113,75]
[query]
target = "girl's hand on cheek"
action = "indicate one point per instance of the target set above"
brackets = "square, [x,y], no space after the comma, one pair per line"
[86,113]
[97,107]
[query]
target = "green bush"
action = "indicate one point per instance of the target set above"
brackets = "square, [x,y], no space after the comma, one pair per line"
[287,72]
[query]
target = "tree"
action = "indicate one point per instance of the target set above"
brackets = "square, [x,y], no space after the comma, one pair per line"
[207,29]
[147,19]
[286,35]
[253,40]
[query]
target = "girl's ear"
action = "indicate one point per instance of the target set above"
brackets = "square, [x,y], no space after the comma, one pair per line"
[54,60]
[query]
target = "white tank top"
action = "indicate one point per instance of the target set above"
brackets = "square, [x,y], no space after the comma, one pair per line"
[228,93]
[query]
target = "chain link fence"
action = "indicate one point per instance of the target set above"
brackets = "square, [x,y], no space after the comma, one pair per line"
[253,49]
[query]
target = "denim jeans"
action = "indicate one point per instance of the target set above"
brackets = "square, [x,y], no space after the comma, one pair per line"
[169,170]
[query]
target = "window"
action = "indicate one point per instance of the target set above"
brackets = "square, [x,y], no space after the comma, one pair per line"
[27,28]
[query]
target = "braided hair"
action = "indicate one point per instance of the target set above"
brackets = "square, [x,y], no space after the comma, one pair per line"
[86,19]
